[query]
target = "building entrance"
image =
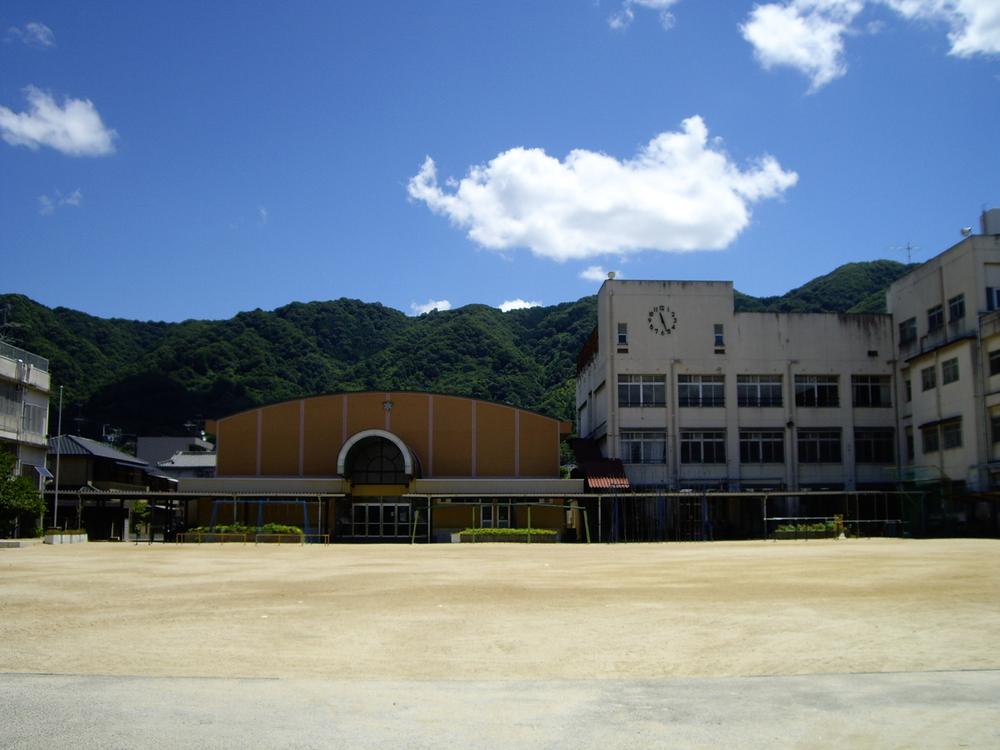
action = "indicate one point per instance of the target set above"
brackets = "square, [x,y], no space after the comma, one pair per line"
[385,519]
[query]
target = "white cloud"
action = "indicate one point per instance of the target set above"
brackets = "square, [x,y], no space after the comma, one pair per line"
[431,304]
[47,204]
[263,215]
[804,34]
[622,18]
[598,274]
[808,35]
[75,128]
[33,34]
[517,304]
[677,194]
[974,24]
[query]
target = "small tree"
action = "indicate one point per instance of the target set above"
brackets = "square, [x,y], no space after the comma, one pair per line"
[18,496]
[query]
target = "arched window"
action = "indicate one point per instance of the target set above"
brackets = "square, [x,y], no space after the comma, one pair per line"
[375,460]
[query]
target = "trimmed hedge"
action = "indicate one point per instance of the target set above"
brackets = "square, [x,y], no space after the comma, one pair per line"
[508,532]
[239,528]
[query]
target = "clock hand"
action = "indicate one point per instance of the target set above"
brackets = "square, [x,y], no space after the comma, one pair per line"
[663,321]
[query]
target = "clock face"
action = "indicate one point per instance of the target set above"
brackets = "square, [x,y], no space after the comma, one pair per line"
[662,320]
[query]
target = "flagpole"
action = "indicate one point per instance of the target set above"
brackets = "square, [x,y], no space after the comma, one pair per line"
[55,509]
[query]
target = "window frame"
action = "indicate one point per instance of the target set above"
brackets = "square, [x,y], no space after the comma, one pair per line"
[646,442]
[762,446]
[935,318]
[711,447]
[907,332]
[949,371]
[874,445]
[994,360]
[928,378]
[956,308]
[951,434]
[875,391]
[701,391]
[820,446]
[757,391]
[646,386]
[817,386]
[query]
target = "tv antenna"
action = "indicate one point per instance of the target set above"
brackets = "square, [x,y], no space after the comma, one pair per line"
[908,248]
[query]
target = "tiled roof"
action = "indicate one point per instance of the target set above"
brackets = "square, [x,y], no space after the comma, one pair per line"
[606,474]
[74,445]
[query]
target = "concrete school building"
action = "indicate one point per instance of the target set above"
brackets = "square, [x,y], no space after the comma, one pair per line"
[24,409]
[689,395]
[383,466]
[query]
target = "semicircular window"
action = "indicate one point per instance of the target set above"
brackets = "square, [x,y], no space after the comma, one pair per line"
[376,460]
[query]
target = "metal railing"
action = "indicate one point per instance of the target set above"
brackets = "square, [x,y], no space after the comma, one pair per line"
[16,353]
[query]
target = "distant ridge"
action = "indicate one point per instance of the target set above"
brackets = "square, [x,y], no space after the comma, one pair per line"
[151,378]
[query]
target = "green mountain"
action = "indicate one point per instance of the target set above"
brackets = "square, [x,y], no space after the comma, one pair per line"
[152,378]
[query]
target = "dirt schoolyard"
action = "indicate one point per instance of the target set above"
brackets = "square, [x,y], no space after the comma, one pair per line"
[501,611]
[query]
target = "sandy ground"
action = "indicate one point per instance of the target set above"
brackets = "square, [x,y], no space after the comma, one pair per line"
[501,612]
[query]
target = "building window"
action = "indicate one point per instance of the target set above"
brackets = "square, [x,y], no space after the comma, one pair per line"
[930,439]
[703,447]
[819,446]
[871,390]
[816,390]
[951,434]
[874,445]
[995,428]
[908,387]
[644,447]
[935,318]
[907,332]
[719,339]
[758,390]
[949,371]
[33,419]
[928,379]
[909,444]
[995,362]
[762,446]
[642,390]
[623,334]
[956,308]
[992,298]
[494,516]
[701,390]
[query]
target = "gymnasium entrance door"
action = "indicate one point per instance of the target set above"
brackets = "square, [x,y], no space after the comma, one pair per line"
[389,520]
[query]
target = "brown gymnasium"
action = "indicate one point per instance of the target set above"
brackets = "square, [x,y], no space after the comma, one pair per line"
[388,466]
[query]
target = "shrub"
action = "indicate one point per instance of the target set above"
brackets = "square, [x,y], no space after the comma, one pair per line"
[509,532]
[240,528]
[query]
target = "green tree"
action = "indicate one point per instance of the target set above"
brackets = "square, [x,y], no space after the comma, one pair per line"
[19,500]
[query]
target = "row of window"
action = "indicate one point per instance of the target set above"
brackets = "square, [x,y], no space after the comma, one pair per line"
[935,319]
[872,445]
[753,390]
[14,410]
[929,380]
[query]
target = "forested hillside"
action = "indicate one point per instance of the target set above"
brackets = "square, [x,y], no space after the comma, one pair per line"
[152,378]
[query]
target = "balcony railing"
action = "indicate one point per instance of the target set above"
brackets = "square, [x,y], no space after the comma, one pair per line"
[15,353]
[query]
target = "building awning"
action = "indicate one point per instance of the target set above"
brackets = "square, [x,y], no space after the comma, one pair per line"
[42,471]
[608,474]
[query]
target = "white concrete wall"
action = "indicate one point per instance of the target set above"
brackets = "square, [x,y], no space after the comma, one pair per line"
[753,343]
[967,268]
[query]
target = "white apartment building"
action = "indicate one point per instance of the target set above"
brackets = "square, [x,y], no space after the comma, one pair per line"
[688,393]
[946,314]
[24,409]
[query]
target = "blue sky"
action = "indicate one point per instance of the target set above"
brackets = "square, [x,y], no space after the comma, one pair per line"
[191,160]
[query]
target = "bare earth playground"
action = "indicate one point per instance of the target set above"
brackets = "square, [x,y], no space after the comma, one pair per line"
[877,643]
